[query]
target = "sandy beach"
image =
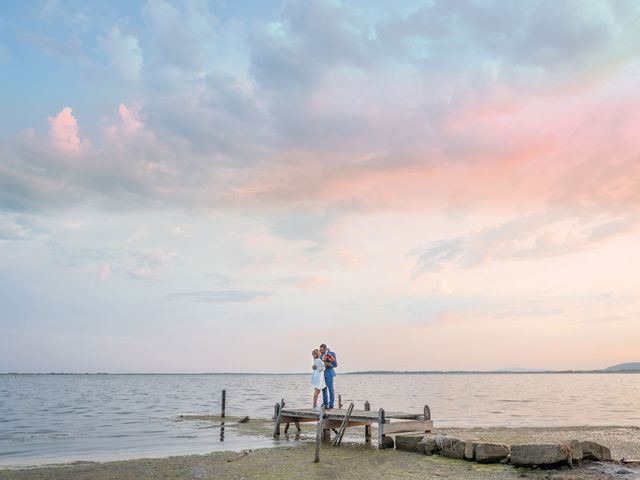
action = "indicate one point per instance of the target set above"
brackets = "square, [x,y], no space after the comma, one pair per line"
[355,460]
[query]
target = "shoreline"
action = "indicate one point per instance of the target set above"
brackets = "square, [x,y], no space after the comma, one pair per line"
[352,460]
[294,462]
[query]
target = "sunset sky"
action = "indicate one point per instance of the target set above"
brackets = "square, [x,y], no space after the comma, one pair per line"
[213,186]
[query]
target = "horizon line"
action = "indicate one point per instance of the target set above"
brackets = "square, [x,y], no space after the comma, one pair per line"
[362,372]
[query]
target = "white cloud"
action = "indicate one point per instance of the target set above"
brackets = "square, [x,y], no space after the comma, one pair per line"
[183,35]
[545,234]
[12,230]
[124,53]
[153,264]
[224,296]
[442,288]
[182,230]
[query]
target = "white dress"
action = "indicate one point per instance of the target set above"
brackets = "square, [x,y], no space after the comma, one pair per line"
[317,377]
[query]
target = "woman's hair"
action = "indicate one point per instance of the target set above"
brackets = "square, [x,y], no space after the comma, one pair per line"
[315,352]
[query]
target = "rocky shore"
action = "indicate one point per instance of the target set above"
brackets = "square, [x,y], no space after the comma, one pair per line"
[354,460]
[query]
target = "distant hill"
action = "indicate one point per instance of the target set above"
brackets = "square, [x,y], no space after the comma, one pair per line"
[624,367]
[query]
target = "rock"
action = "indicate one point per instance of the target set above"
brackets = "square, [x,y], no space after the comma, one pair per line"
[451,447]
[244,420]
[428,445]
[490,452]
[469,450]
[408,442]
[387,442]
[576,450]
[595,451]
[539,454]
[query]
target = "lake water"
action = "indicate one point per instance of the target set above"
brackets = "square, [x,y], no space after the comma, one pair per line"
[62,418]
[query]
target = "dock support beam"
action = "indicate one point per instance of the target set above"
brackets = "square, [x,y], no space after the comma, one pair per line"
[427,412]
[338,440]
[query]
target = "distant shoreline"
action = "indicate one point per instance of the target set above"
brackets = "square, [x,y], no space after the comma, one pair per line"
[481,372]
[367,372]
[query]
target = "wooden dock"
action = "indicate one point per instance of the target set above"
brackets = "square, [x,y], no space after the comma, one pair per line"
[386,422]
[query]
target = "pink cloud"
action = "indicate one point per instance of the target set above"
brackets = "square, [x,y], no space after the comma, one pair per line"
[130,119]
[104,273]
[312,281]
[63,130]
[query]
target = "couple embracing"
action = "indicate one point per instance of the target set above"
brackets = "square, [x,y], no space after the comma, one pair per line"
[324,363]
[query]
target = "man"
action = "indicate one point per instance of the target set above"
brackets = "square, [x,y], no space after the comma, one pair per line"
[331,361]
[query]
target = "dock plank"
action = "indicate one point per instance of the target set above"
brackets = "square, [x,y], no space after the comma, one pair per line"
[336,414]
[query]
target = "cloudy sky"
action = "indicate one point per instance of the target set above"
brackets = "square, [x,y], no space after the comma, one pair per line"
[203,186]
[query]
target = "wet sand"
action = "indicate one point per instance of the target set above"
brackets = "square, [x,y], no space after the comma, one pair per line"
[354,460]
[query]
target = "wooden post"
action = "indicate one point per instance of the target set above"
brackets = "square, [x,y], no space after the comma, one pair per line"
[427,412]
[319,429]
[367,428]
[381,422]
[224,403]
[276,426]
[340,401]
[298,425]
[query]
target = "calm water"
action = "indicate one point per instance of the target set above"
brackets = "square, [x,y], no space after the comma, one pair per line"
[53,418]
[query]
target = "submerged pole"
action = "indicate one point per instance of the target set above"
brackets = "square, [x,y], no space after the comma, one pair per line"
[224,402]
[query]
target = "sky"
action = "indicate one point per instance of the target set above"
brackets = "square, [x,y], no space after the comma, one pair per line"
[220,186]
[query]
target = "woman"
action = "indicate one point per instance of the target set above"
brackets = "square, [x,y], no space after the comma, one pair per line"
[317,377]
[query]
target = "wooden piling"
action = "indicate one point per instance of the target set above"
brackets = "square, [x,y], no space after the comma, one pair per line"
[381,422]
[427,412]
[224,403]
[278,416]
[319,433]
[367,428]
[340,401]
